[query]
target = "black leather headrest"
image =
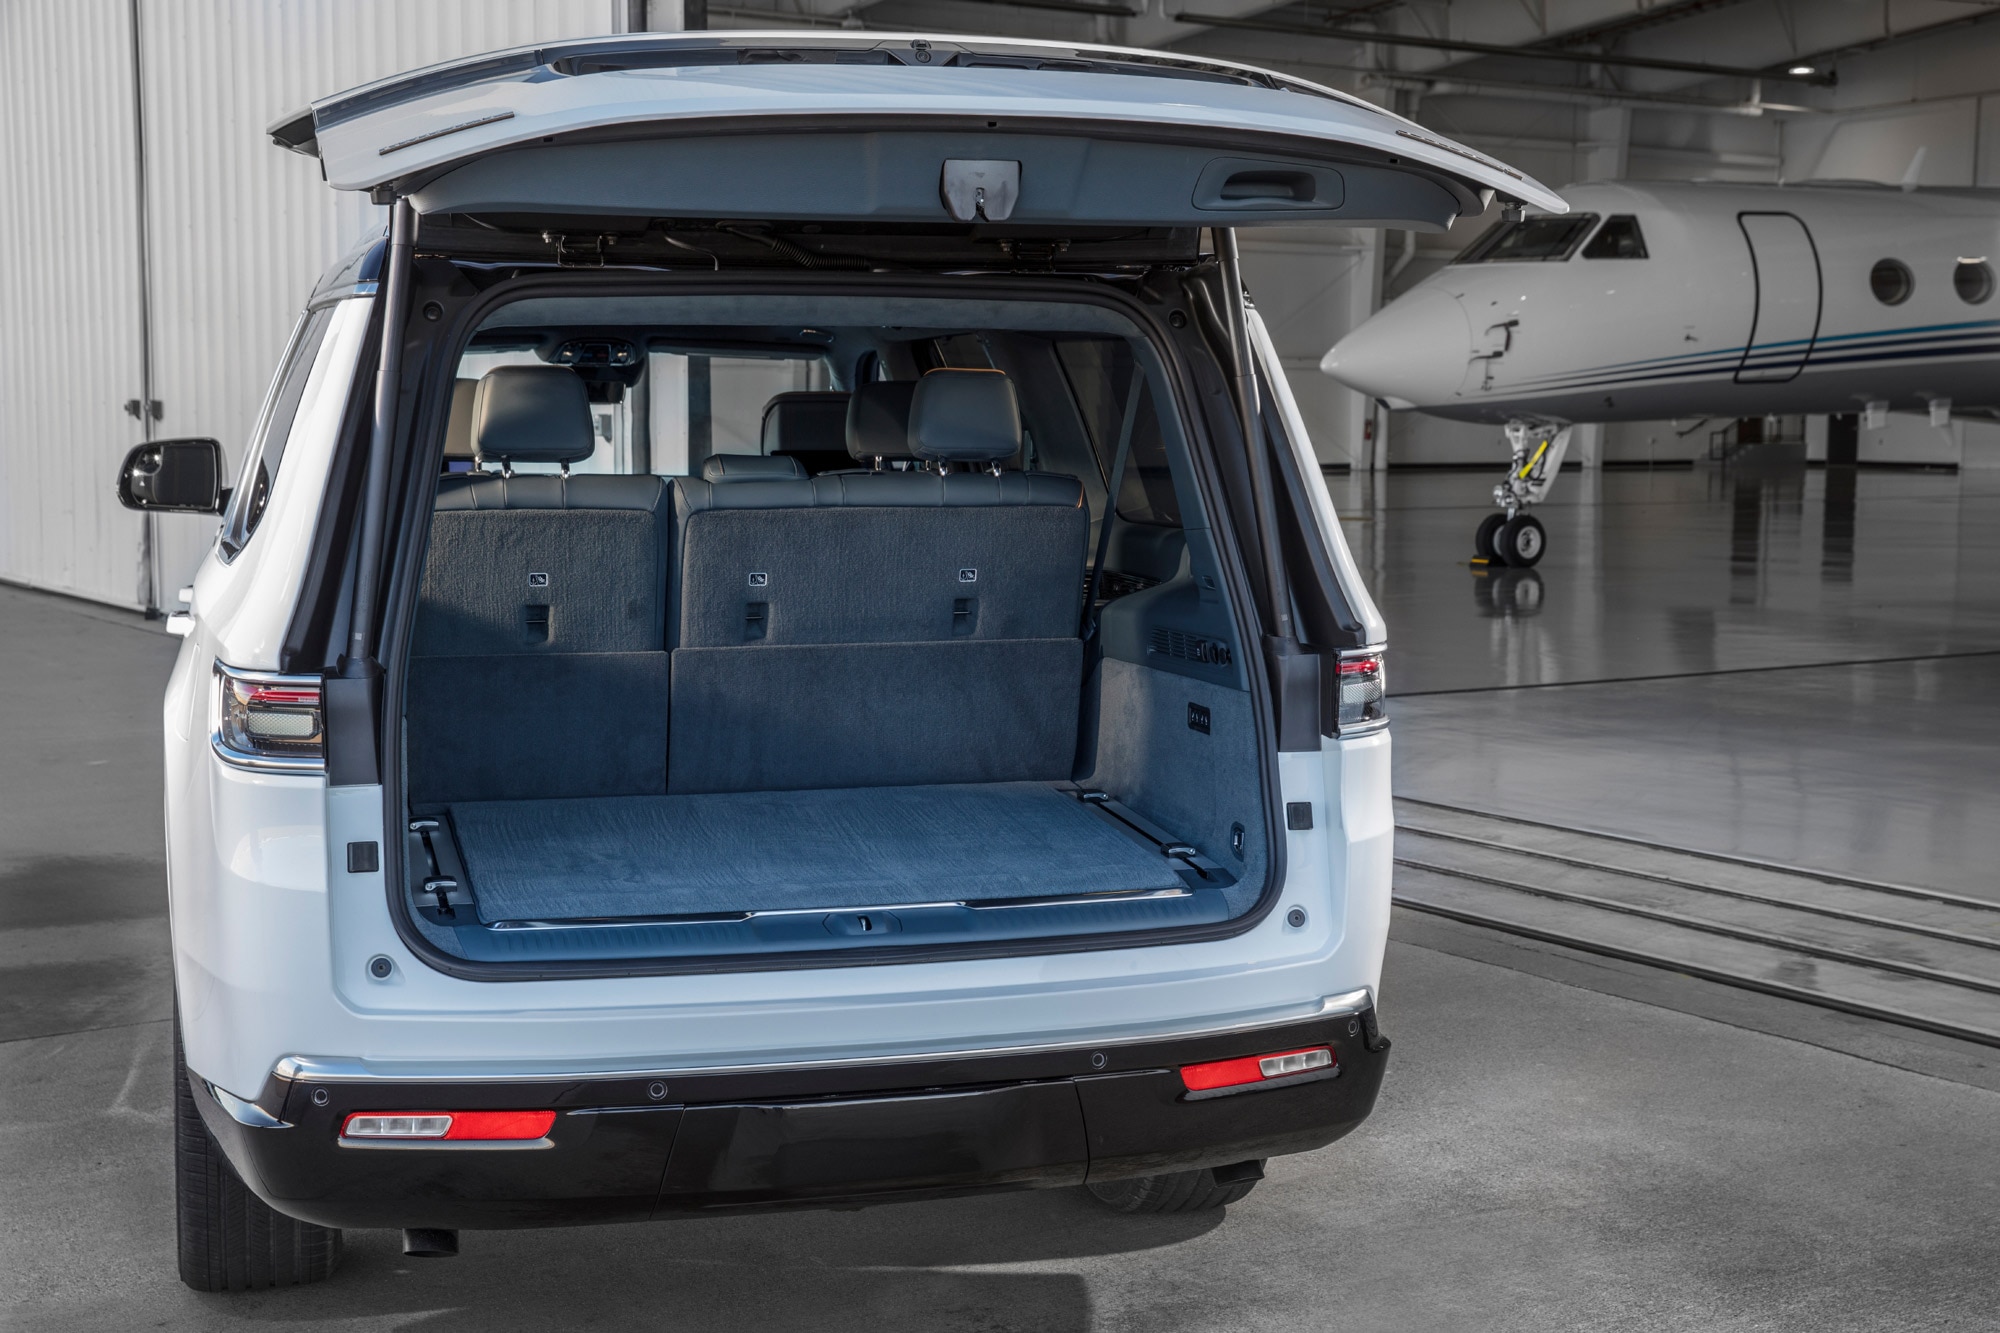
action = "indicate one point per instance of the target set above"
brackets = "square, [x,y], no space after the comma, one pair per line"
[532,414]
[751,467]
[878,419]
[965,416]
[806,421]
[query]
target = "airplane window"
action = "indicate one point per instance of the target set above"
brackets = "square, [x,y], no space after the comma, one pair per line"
[1617,239]
[1972,279]
[1530,240]
[1891,282]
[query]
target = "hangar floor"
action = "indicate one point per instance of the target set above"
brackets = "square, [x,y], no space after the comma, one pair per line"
[1716,661]
[1801,666]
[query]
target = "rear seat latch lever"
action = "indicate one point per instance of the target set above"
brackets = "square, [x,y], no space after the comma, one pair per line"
[441,888]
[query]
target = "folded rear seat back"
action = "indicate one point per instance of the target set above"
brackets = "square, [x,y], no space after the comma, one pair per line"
[538,664]
[888,628]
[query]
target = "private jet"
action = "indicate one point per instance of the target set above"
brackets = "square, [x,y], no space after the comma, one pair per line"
[1686,299]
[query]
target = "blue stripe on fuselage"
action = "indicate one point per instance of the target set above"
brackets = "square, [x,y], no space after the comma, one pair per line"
[1974,328]
[1885,346]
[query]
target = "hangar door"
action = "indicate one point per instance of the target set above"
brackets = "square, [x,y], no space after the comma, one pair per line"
[1786,267]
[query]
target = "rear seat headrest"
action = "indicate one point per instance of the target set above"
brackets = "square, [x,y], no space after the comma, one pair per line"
[805,421]
[532,414]
[751,467]
[878,420]
[965,416]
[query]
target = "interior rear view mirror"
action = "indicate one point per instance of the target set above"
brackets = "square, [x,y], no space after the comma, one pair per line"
[174,477]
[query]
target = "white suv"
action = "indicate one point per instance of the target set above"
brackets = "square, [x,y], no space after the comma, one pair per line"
[778,681]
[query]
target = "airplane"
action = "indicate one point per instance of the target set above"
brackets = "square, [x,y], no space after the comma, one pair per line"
[1684,299]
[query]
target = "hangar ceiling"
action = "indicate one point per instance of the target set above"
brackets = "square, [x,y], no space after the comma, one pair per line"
[1684,53]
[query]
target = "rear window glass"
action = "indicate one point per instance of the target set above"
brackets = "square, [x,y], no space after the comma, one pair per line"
[273,431]
[1100,371]
[1617,239]
[1530,240]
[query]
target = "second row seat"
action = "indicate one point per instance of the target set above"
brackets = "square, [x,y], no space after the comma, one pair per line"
[865,628]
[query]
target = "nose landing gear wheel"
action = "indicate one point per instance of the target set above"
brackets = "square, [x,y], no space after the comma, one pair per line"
[1521,541]
[1482,541]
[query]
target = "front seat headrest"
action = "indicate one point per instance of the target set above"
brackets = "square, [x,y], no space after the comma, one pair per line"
[751,467]
[965,416]
[805,421]
[878,420]
[532,414]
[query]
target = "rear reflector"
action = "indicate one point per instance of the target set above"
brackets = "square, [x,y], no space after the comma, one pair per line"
[1255,1069]
[449,1126]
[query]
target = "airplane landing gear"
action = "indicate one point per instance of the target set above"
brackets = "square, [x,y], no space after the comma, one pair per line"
[1482,540]
[1514,537]
[1520,541]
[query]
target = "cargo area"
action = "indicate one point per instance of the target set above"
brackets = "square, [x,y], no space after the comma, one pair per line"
[907,632]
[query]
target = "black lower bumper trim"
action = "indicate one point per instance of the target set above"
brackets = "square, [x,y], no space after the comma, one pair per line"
[839,1136]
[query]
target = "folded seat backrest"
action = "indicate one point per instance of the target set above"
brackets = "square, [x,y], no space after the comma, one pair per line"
[881,628]
[538,661]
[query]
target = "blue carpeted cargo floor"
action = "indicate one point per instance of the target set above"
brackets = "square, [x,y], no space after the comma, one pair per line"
[622,856]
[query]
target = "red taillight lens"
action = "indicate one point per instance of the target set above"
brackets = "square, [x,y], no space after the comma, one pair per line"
[1361,691]
[1255,1068]
[269,722]
[449,1126]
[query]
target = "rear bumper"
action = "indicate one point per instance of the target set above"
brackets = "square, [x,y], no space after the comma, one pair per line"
[628,1148]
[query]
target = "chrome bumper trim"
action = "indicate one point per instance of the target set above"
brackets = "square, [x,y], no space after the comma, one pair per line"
[244,1112]
[333,1069]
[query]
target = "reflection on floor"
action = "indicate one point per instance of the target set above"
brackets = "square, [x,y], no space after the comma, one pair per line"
[1678,572]
[1796,665]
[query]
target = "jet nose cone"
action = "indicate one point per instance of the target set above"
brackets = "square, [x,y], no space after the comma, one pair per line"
[1411,353]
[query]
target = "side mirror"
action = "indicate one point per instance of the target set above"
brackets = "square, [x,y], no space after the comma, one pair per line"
[174,477]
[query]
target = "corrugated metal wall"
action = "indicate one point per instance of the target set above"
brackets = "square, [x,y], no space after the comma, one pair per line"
[69,297]
[240,231]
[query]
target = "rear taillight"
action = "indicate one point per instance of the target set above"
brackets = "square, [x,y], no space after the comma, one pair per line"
[449,1126]
[1255,1069]
[1360,691]
[267,721]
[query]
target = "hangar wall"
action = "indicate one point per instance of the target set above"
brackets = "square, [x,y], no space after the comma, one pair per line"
[236,231]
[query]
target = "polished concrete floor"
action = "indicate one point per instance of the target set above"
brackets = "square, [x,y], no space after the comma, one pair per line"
[1801,666]
[1563,1142]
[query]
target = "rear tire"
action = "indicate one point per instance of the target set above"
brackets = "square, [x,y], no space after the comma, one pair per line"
[1521,541]
[1176,1192]
[1482,540]
[229,1239]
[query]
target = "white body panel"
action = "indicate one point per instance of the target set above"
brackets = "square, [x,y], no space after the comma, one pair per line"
[1666,336]
[273,936]
[417,134]
[248,602]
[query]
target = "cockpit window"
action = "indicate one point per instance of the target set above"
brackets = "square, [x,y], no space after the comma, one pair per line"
[1617,239]
[1531,240]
